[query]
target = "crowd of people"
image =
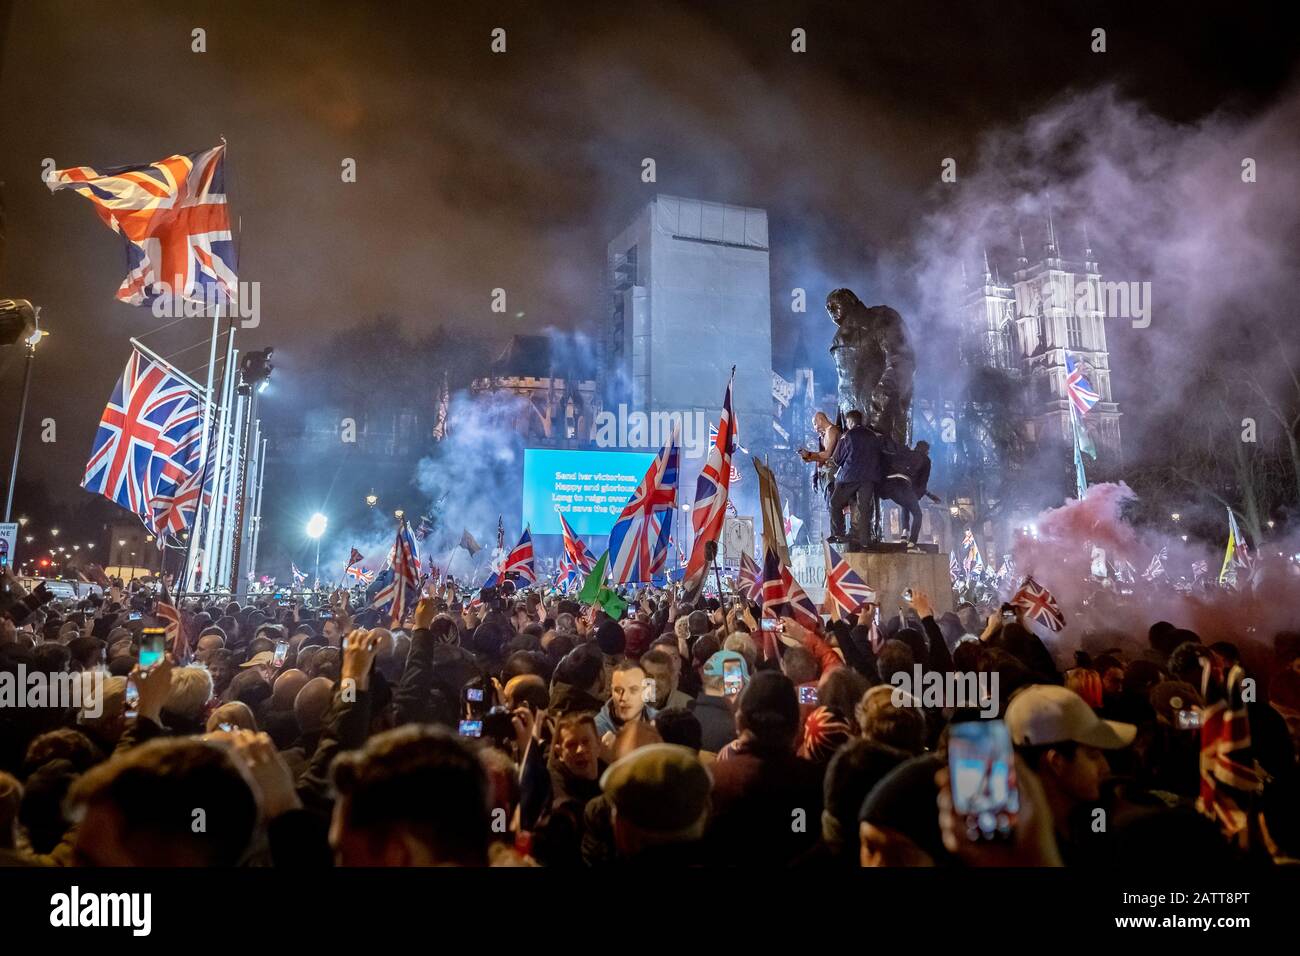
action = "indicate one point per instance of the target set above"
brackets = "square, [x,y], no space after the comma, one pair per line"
[525,729]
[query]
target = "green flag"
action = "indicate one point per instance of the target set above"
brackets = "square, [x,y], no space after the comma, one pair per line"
[594,591]
[591,587]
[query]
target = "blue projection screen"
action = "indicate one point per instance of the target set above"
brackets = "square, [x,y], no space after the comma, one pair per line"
[590,487]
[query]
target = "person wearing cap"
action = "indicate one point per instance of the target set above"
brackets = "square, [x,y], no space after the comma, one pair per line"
[659,804]
[713,707]
[1063,740]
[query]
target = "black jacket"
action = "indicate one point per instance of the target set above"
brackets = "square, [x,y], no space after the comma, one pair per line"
[858,455]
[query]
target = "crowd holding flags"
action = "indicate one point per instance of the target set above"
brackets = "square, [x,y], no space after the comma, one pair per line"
[711,492]
[638,542]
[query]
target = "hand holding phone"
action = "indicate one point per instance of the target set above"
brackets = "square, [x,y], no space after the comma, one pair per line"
[981,764]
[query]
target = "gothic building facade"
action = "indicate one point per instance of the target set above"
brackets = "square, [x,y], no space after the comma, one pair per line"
[1052,307]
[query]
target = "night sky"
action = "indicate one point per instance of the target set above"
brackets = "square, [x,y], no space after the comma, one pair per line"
[478,171]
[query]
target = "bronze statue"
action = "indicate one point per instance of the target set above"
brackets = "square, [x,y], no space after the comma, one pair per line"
[874,359]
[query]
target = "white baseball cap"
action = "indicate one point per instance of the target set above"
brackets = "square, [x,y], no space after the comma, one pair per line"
[1044,714]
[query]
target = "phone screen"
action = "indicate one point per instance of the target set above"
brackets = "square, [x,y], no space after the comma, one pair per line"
[807,695]
[471,728]
[474,694]
[982,767]
[770,624]
[281,652]
[732,678]
[132,699]
[152,646]
[134,616]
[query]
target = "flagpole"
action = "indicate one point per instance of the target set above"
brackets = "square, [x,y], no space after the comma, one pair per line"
[1080,476]
[209,409]
[219,471]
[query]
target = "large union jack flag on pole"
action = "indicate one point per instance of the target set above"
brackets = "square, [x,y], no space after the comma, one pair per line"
[148,443]
[638,542]
[1077,388]
[711,493]
[175,221]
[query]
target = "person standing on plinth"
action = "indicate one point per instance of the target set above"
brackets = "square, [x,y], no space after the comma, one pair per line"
[857,458]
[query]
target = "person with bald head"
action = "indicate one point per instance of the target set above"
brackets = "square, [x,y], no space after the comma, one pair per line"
[212,639]
[309,707]
[285,689]
[829,435]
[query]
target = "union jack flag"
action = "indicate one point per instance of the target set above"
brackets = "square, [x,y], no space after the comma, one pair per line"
[175,221]
[751,577]
[360,574]
[353,558]
[1039,605]
[298,576]
[954,567]
[1199,570]
[177,626]
[519,562]
[846,591]
[1157,566]
[401,592]
[576,554]
[638,542]
[147,443]
[182,487]
[711,491]
[783,596]
[1229,772]
[1077,389]
[423,529]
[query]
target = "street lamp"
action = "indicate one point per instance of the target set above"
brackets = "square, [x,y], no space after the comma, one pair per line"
[1176,516]
[20,321]
[398,514]
[372,499]
[54,532]
[23,520]
[316,528]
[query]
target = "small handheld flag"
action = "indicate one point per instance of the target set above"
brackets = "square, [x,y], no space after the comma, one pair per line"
[1039,605]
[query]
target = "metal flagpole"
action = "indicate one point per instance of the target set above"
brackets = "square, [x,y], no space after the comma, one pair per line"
[1080,476]
[210,561]
[255,520]
[230,511]
[202,517]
